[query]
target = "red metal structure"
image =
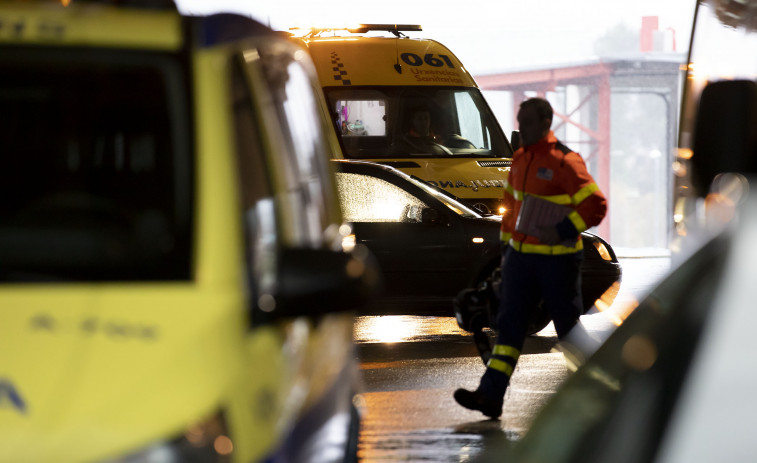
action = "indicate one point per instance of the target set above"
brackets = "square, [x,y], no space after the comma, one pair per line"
[596,82]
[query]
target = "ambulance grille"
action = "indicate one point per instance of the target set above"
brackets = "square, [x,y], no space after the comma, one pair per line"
[499,163]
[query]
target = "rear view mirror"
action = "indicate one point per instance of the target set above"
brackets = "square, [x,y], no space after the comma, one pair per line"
[725,138]
[317,281]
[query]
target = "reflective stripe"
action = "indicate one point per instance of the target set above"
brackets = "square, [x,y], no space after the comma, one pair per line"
[506,351]
[557,199]
[508,187]
[584,193]
[505,236]
[563,199]
[578,221]
[546,249]
[499,365]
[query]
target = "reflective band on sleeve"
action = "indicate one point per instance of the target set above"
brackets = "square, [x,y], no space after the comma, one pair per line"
[508,187]
[506,351]
[505,236]
[499,365]
[577,220]
[584,193]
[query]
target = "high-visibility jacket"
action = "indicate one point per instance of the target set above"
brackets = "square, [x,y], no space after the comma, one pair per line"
[550,170]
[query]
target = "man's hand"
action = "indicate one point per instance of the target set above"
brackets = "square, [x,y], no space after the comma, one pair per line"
[549,235]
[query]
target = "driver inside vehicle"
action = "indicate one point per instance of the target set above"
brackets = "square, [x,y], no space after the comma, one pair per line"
[419,137]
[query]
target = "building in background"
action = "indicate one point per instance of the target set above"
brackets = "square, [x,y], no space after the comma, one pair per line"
[620,112]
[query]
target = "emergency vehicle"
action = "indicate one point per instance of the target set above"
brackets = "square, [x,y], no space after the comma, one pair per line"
[374,84]
[170,289]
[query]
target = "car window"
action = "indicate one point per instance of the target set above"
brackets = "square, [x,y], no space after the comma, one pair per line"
[378,122]
[370,199]
[96,166]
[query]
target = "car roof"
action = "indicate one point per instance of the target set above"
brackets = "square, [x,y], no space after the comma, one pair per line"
[356,165]
[396,176]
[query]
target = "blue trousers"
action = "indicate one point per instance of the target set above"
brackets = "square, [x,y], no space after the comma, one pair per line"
[526,280]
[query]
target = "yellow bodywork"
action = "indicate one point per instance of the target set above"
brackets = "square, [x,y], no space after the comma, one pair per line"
[343,61]
[81,25]
[90,372]
[373,61]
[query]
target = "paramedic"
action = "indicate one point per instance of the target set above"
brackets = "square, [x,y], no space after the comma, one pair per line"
[544,263]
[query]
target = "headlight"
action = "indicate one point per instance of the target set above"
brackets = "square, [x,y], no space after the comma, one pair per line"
[602,249]
[207,441]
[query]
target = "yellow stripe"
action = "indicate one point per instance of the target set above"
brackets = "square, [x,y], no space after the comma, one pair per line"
[545,249]
[507,351]
[499,365]
[578,221]
[508,187]
[584,193]
[505,236]
[563,199]
[557,199]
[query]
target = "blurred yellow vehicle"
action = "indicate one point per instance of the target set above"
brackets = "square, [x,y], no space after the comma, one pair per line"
[376,85]
[174,282]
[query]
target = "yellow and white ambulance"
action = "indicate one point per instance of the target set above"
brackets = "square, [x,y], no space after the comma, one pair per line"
[175,278]
[410,103]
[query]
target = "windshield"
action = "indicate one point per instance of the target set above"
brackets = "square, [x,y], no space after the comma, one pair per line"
[390,122]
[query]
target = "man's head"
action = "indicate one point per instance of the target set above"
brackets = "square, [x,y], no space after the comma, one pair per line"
[534,120]
[420,122]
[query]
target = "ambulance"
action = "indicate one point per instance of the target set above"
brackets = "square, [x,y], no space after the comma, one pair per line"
[176,280]
[377,80]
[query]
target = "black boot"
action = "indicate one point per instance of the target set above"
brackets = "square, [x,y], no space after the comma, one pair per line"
[475,400]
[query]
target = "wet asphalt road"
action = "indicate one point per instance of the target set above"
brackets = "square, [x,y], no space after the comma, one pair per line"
[411,366]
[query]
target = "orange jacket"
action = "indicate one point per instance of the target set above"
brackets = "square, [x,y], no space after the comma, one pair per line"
[551,171]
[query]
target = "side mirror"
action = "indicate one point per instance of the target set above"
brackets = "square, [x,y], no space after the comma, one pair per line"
[515,140]
[725,138]
[432,216]
[318,281]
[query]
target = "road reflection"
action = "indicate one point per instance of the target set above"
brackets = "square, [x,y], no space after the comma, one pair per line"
[404,328]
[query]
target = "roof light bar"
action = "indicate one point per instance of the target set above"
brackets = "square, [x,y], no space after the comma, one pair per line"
[363,28]
[395,29]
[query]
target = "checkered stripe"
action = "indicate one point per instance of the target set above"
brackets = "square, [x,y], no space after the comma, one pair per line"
[339,73]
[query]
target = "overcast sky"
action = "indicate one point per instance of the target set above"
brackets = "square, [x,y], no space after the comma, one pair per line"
[487,35]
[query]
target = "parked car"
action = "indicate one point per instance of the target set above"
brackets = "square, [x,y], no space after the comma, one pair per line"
[173,275]
[430,246]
